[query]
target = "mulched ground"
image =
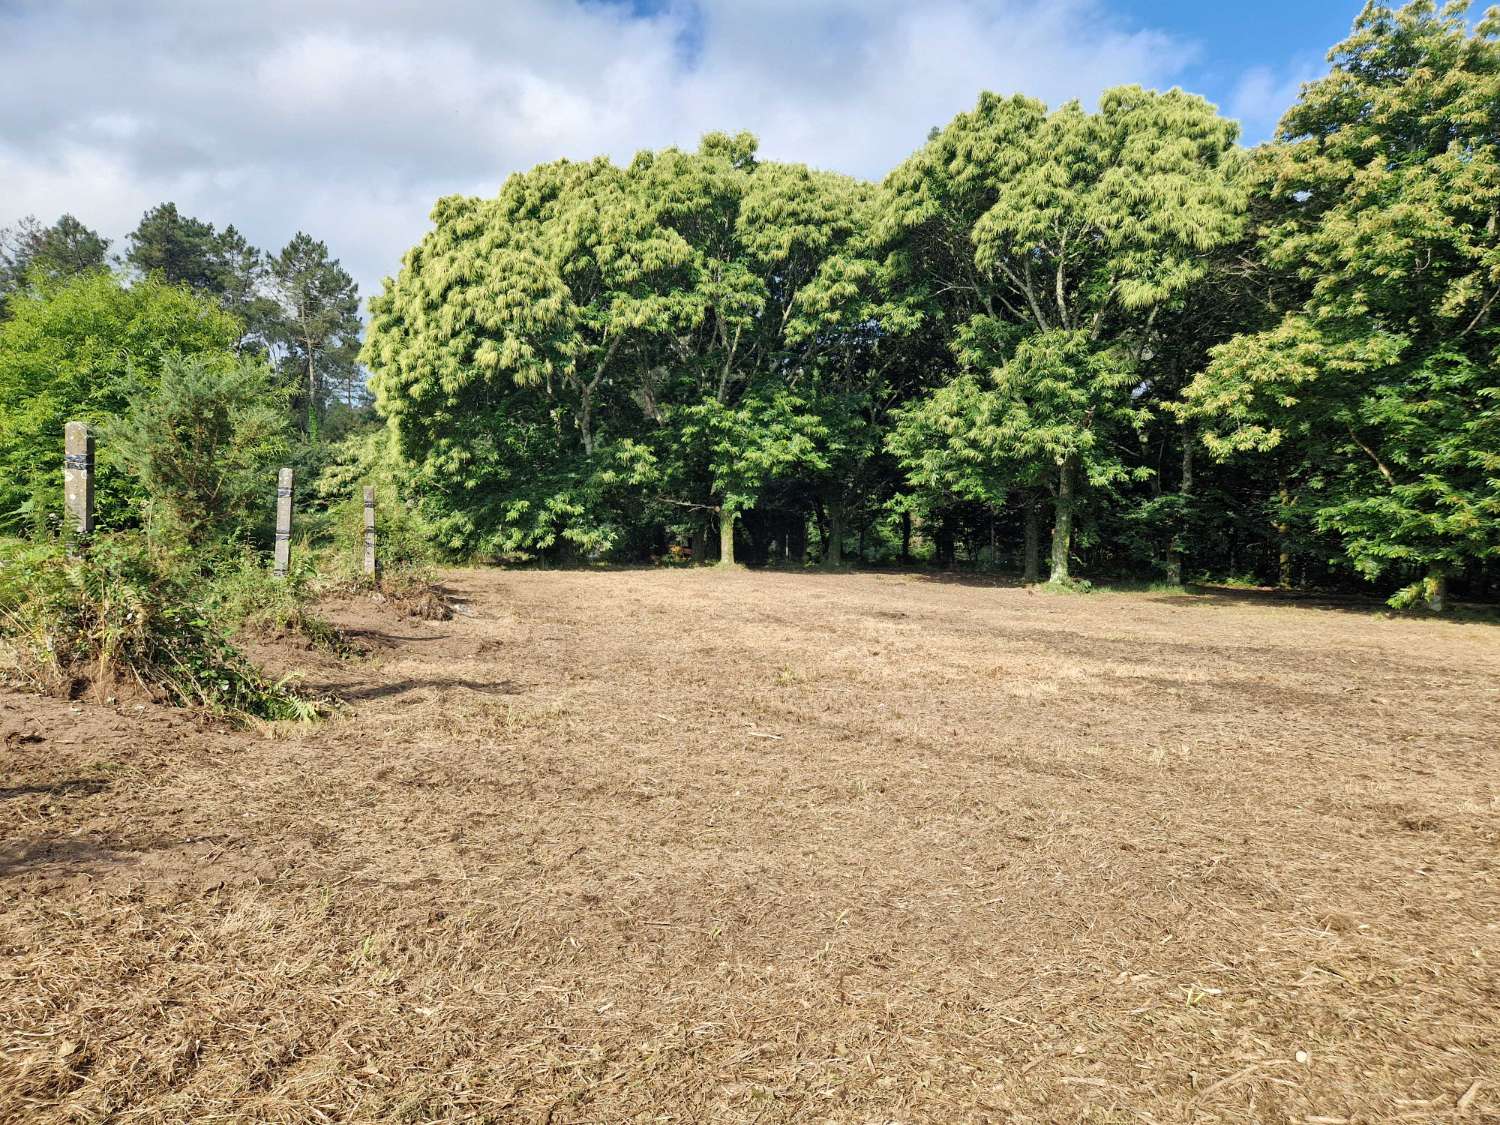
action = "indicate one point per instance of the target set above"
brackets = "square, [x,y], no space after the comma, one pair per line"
[695,846]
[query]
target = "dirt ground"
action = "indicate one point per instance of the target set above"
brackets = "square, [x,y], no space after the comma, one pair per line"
[693,846]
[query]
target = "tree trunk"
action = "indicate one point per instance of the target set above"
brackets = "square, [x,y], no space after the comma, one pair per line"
[1174,565]
[1179,537]
[947,552]
[726,536]
[586,421]
[312,395]
[796,540]
[1437,589]
[1062,522]
[1283,535]
[1032,563]
[906,537]
[833,549]
[700,541]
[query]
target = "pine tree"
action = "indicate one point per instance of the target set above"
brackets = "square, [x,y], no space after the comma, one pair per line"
[316,323]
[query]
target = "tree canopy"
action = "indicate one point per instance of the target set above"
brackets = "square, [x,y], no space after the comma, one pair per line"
[1192,359]
[1040,310]
[1382,192]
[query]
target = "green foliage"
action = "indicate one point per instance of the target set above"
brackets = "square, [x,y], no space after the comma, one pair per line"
[243,595]
[182,250]
[1054,241]
[204,444]
[1379,378]
[34,255]
[123,612]
[1041,309]
[315,324]
[405,538]
[79,351]
[556,357]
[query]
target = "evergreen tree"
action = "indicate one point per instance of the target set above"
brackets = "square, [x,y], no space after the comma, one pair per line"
[203,439]
[177,248]
[221,264]
[30,251]
[316,323]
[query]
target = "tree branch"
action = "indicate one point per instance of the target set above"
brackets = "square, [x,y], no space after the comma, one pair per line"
[1379,464]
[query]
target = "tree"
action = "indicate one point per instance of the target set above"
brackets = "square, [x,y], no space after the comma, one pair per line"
[79,350]
[317,321]
[182,250]
[1384,185]
[177,248]
[1055,240]
[641,325]
[30,251]
[203,439]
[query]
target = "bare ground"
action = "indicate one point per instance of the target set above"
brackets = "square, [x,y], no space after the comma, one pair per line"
[691,846]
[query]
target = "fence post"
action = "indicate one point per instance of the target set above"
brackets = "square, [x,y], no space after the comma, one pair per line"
[78,475]
[283,523]
[370,530]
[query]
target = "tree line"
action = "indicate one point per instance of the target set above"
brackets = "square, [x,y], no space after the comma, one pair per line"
[87,335]
[1116,334]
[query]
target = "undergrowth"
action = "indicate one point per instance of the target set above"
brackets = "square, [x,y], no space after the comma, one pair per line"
[121,611]
[245,594]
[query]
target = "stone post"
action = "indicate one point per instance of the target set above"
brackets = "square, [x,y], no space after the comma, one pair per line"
[370,530]
[284,523]
[78,475]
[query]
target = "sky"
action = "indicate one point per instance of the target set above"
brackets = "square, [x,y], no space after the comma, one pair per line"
[349,119]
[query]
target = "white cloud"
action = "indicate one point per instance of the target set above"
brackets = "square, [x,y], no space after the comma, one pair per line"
[1263,94]
[348,120]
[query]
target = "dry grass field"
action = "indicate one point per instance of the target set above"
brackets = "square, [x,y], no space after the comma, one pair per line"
[765,847]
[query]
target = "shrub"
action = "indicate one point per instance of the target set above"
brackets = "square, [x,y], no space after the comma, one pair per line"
[405,538]
[204,443]
[80,350]
[121,612]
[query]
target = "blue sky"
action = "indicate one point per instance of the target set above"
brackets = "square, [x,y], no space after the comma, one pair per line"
[1249,48]
[349,118]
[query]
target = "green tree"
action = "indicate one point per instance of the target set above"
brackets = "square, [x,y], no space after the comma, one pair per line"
[32,252]
[316,323]
[79,351]
[1054,241]
[177,248]
[203,439]
[1384,187]
[182,250]
[620,330]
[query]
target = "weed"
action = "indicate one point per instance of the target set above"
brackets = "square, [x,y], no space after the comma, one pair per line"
[121,611]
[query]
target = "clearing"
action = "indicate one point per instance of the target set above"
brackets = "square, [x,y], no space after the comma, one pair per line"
[692,846]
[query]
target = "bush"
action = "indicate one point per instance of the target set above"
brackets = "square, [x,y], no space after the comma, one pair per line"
[204,442]
[121,612]
[404,539]
[80,350]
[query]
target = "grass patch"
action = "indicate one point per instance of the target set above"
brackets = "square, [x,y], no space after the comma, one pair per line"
[245,594]
[121,612]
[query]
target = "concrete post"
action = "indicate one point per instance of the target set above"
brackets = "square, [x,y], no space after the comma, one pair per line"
[284,523]
[78,475]
[370,530]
